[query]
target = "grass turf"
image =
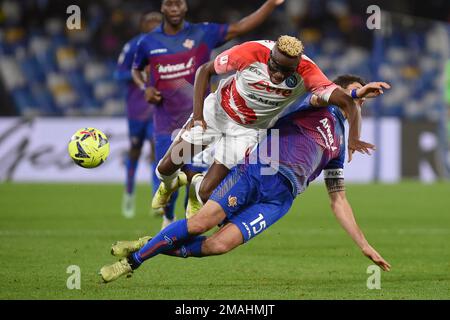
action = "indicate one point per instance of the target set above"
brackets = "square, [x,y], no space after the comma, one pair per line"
[306,255]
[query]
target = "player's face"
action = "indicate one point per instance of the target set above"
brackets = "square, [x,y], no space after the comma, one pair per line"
[281,66]
[356,85]
[174,11]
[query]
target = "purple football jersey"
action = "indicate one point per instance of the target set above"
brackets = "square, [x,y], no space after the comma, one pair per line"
[173,61]
[310,141]
[137,107]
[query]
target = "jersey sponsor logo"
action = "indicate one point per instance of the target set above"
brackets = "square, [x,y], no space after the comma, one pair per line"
[264,101]
[265,86]
[156,51]
[232,201]
[292,81]
[328,137]
[188,43]
[171,71]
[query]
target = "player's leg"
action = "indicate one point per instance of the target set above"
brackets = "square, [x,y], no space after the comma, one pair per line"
[202,186]
[162,144]
[137,135]
[179,231]
[275,201]
[187,144]
[212,214]
[243,224]
[168,239]
[175,156]
[153,163]
[224,240]
[230,150]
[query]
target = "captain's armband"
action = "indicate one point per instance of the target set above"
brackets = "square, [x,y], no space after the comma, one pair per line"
[334,180]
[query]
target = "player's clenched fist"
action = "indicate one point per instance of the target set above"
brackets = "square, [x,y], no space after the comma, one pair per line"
[197,122]
[152,95]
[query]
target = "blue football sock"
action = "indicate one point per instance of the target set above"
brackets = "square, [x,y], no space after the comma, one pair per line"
[155,180]
[131,173]
[189,248]
[169,210]
[166,240]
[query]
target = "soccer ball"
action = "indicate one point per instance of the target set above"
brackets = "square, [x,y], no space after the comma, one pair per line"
[89,147]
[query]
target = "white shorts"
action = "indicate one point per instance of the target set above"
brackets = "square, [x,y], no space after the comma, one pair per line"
[231,141]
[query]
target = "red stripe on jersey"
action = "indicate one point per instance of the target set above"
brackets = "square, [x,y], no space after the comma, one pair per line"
[230,92]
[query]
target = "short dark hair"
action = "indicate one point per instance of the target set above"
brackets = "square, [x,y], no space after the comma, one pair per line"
[151,15]
[347,79]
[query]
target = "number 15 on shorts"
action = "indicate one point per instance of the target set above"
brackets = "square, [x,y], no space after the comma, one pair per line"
[254,227]
[258,224]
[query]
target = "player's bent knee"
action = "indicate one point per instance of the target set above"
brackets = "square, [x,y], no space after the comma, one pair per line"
[215,247]
[197,226]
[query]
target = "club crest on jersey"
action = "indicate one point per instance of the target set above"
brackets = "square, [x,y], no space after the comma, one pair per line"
[232,201]
[292,81]
[188,43]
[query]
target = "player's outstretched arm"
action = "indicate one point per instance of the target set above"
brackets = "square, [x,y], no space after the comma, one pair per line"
[341,99]
[253,20]
[344,214]
[201,84]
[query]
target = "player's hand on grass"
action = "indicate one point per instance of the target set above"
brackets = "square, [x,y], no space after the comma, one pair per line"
[372,90]
[360,146]
[197,122]
[152,95]
[373,255]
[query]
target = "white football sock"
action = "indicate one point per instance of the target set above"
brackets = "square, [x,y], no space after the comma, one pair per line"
[168,180]
[196,183]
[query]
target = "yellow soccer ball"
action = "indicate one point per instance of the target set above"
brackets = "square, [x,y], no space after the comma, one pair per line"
[89,147]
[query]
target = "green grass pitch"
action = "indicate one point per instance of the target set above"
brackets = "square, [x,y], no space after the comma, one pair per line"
[306,255]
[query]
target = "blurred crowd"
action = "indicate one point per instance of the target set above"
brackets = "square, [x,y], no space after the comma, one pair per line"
[46,69]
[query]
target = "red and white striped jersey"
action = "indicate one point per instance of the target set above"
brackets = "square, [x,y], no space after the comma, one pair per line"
[250,98]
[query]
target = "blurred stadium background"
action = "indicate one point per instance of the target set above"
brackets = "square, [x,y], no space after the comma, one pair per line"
[54,81]
[47,70]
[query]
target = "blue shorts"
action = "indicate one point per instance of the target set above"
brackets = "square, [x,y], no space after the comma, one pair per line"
[251,201]
[139,131]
